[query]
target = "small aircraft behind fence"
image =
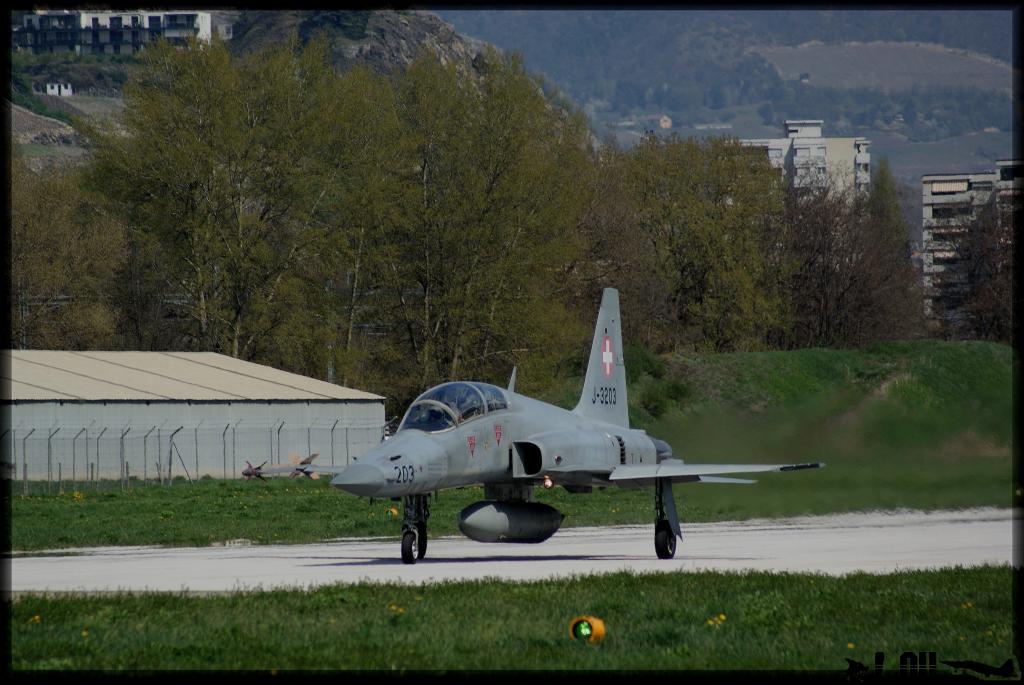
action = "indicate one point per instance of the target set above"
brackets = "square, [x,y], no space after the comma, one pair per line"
[468,433]
[297,468]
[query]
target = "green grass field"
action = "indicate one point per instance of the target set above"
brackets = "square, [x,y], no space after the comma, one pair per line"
[293,511]
[657,621]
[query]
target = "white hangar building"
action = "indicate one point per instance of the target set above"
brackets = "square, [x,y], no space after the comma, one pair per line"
[93,414]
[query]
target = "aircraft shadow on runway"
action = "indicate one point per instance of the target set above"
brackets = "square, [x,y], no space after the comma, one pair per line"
[384,561]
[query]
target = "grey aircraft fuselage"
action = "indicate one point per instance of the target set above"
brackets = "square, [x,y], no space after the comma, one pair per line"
[497,448]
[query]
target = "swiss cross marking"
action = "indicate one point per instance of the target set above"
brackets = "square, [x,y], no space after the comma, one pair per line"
[497,433]
[606,356]
[472,444]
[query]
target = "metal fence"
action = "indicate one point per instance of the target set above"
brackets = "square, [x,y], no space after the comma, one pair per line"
[61,457]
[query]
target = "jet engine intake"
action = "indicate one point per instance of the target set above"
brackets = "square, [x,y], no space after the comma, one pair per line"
[494,521]
[531,459]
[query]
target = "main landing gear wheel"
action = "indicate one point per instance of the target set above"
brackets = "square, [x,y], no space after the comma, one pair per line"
[410,551]
[664,511]
[664,540]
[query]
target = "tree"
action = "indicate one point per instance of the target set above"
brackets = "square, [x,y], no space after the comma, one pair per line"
[710,212]
[217,163]
[988,249]
[64,253]
[473,273]
[359,166]
[617,254]
[853,283]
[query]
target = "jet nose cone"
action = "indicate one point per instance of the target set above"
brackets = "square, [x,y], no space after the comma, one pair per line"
[359,479]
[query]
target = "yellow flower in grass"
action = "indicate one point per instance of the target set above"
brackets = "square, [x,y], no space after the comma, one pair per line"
[85,632]
[716,621]
[850,645]
[36,619]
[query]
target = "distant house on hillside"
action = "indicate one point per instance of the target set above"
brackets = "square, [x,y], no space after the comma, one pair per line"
[60,89]
[664,121]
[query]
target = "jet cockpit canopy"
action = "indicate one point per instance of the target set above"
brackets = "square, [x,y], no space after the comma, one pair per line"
[449,404]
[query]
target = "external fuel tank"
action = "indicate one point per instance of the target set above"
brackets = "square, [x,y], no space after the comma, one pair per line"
[494,521]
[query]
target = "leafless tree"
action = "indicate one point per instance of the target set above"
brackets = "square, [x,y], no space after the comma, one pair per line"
[853,281]
[987,248]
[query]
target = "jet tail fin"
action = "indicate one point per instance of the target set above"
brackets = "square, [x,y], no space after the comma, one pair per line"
[604,388]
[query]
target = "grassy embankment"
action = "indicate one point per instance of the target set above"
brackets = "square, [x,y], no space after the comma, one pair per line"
[923,425]
[657,621]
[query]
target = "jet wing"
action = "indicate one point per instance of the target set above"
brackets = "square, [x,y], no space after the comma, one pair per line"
[678,472]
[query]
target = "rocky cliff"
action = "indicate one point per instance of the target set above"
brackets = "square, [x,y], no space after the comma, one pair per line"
[382,39]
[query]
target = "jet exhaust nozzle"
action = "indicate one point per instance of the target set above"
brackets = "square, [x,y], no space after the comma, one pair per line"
[493,521]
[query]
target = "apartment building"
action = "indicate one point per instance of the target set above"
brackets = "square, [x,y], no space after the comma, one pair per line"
[809,160]
[950,204]
[110,33]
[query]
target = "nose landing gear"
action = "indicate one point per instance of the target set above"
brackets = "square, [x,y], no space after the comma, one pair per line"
[414,528]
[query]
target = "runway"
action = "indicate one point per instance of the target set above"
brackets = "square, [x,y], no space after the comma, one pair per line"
[837,544]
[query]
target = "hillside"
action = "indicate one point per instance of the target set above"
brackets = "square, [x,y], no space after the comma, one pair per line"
[42,140]
[870,65]
[925,75]
[382,39]
[907,399]
[588,51]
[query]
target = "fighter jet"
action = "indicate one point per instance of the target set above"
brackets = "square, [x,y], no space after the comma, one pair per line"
[470,433]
